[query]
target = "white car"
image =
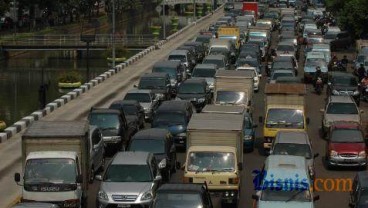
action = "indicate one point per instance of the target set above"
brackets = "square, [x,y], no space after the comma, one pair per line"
[256,75]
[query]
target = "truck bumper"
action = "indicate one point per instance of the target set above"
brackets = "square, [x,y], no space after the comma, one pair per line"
[227,196]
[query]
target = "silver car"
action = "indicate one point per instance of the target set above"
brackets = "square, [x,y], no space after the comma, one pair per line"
[339,108]
[131,179]
[294,143]
[147,100]
[96,151]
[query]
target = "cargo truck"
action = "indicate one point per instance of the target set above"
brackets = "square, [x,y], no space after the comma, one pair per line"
[55,159]
[215,154]
[284,110]
[231,33]
[233,88]
[251,6]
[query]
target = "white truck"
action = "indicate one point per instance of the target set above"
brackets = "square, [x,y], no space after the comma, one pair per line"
[55,157]
[215,153]
[233,87]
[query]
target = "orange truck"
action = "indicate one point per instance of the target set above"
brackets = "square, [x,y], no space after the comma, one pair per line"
[251,6]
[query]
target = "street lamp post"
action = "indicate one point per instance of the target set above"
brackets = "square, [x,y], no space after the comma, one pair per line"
[164,17]
[87,38]
[194,13]
[113,34]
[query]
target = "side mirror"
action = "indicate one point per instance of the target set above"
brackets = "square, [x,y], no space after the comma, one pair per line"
[240,166]
[315,155]
[135,85]
[322,110]
[17,177]
[316,198]
[98,177]
[79,179]
[158,178]
[260,119]
[255,196]
[307,120]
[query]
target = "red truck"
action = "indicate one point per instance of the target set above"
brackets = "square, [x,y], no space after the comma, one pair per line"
[251,6]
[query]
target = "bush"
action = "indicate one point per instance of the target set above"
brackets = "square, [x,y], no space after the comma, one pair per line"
[69,77]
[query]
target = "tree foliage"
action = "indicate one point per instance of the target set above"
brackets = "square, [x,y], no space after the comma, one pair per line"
[352,15]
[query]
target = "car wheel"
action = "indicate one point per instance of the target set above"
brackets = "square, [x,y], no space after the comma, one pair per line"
[92,175]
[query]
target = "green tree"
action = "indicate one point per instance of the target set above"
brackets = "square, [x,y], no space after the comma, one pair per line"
[4,6]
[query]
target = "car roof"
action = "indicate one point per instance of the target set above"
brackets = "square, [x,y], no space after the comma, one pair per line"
[285,166]
[195,81]
[139,91]
[297,137]
[173,105]
[179,52]
[151,133]
[363,178]
[184,187]
[217,56]
[341,99]
[155,74]
[130,158]
[173,63]
[105,110]
[216,121]
[206,66]
[345,125]
[341,74]
[125,102]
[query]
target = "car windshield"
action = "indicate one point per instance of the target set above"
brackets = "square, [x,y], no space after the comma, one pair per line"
[285,48]
[342,108]
[211,161]
[181,58]
[293,149]
[346,136]
[130,110]
[315,62]
[219,62]
[202,72]
[140,97]
[330,35]
[257,34]
[203,39]
[285,118]
[345,81]
[128,173]
[177,200]
[191,88]
[168,119]
[286,195]
[50,170]
[152,83]
[170,71]
[104,120]
[230,97]
[156,146]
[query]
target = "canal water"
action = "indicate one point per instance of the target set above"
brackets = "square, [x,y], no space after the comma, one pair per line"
[21,75]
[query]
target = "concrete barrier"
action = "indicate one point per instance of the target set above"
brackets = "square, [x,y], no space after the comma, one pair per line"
[63,100]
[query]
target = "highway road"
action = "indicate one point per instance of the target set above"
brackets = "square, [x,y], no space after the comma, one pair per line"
[115,87]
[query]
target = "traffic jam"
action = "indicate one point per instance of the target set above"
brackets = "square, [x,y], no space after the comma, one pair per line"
[231,118]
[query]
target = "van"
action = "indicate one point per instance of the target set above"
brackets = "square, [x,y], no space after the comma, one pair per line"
[174,115]
[175,70]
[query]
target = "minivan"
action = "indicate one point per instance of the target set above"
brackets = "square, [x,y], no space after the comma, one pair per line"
[185,58]
[174,115]
[158,82]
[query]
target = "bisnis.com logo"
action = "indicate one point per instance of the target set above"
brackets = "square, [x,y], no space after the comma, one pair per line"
[298,183]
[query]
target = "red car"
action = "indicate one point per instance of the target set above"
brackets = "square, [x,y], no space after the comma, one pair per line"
[346,146]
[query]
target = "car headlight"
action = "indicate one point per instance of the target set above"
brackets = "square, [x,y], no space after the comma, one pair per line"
[147,196]
[356,92]
[247,137]
[335,92]
[333,153]
[102,195]
[362,154]
[162,164]
[201,100]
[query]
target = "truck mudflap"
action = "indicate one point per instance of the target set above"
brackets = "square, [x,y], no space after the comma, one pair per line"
[227,196]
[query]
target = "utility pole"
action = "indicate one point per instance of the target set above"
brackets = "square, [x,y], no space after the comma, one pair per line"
[113,34]
[194,13]
[164,17]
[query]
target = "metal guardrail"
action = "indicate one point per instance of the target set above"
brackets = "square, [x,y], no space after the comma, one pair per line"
[66,41]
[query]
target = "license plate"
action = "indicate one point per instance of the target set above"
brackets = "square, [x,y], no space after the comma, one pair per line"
[348,160]
[124,205]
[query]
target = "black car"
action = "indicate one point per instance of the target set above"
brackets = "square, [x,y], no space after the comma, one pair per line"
[174,115]
[114,126]
[175,69]
[359,193]
[160,143]
[200,48]
[196,91]
[133,111]
[343,83]
[159,83]
[182,195]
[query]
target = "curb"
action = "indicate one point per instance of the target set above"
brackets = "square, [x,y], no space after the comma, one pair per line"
[23,123]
